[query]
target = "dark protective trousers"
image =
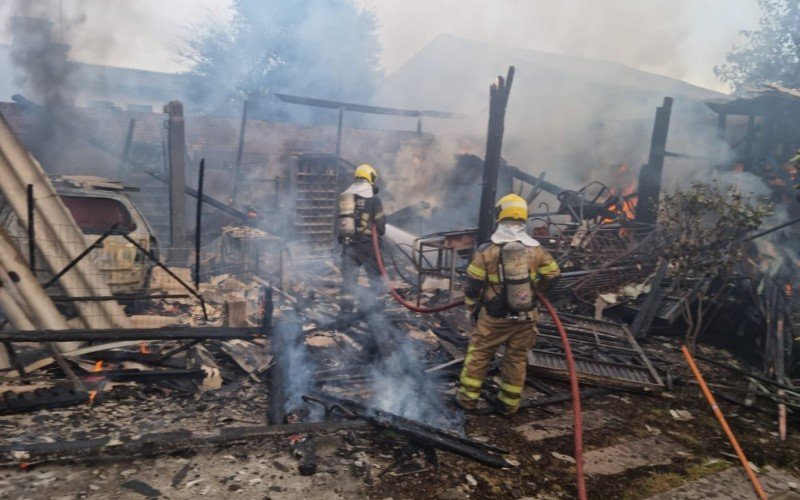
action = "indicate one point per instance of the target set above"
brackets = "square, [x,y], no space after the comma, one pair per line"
[354,257]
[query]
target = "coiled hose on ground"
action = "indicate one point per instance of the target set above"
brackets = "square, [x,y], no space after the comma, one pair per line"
[573,375]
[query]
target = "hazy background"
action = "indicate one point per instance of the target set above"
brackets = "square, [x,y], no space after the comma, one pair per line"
[678,38]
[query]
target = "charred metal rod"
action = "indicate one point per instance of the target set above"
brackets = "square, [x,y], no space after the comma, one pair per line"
[31,231]
[745,373]
[86,335]
[207,199]
[119,298]
[174,276]
[77,383]
[83,254]
[772,229]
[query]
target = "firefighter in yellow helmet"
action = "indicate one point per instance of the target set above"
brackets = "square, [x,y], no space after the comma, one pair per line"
[499,296]
[359,209]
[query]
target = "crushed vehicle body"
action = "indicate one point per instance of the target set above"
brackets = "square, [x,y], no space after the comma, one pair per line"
[98,204]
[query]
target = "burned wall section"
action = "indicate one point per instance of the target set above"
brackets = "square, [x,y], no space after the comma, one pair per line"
[92,141]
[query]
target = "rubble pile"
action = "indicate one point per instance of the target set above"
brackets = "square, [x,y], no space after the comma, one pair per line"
[237,368]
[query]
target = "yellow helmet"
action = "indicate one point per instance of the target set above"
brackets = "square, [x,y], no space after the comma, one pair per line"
[512,207]
[365,171]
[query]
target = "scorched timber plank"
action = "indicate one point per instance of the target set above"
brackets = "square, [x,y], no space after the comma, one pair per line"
[162,442]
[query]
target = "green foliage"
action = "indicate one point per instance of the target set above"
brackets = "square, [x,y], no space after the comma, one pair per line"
[706,224]
[770,54]
[316,48]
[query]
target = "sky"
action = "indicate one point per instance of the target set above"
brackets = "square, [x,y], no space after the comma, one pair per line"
[683,39]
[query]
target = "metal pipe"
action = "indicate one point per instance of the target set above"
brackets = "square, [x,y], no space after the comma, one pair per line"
[721,418]
[199,214]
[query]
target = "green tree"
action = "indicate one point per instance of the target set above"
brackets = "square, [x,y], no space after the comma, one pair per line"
[769,54]
[316,48]
[705,225]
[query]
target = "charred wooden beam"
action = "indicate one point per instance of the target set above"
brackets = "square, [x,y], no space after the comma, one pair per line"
[40,399]
[498,100]
[423,434]
[160,442]
[148,376]
[287,344]
[650,174]
[119,298]
[646,315]
[87,335]
[239,153]
[176,145]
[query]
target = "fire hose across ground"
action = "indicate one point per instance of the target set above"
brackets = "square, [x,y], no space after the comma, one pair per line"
[573,376]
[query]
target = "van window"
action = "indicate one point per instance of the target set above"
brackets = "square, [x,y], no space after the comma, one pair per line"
[96,215]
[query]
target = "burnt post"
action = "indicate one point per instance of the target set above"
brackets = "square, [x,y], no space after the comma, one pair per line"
[126,150]
[198,227]
[498,100]
[31,231]
[176,144]
[749,141]
[722,122]
[650,174]
[239,153]
[339,132]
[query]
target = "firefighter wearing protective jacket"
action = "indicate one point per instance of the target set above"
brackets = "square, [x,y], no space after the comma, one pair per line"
[359,209]
[499,296]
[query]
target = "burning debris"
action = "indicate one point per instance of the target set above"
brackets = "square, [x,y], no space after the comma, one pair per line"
[249,328]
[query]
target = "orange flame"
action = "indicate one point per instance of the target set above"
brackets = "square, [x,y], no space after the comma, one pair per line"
[624,186]
[92,395]
[98,366]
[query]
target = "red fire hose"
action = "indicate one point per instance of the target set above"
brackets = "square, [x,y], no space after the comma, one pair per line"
[408,305]
[576,395]
[573,376]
